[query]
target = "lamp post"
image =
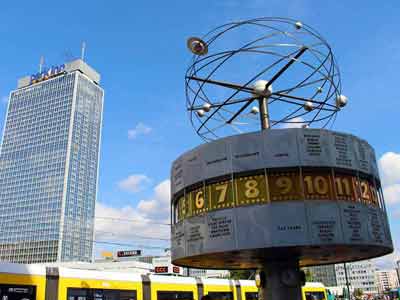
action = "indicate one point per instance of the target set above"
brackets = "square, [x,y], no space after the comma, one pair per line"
[347,281]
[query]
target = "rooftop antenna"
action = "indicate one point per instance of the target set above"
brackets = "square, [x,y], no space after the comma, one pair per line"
[41,63]
[83,50]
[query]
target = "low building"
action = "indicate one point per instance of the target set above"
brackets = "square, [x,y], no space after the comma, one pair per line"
[386,279]
[324,274]
[360,275]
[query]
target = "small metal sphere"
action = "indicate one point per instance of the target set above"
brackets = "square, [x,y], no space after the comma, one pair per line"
[201,113]
[308,106]
[298,25]
[341,101]
[254,110]
[206,107]
[259,88]
[319,90]
[197,46]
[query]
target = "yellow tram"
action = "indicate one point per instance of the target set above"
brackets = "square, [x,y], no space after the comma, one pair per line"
[33,282]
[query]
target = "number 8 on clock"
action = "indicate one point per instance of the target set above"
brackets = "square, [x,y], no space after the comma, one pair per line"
[251,190]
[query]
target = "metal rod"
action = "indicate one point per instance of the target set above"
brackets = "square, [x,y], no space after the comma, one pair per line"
[41,64]
[239,111]
[300,104]
[285,67]
[264,124]
[221,83]
[83,48]
[232,102]
[264,117]
[303,99]
[347,282]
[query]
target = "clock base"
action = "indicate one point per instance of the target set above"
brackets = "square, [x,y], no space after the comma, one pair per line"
[280,280]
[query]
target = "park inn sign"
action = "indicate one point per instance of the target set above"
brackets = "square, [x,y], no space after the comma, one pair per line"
[47,74]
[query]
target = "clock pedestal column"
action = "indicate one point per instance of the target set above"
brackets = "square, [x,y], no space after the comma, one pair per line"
[281,280]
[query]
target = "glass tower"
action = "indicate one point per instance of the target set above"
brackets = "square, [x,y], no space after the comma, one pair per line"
[49,166]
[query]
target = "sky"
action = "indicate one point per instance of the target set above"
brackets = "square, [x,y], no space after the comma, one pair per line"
[139,47]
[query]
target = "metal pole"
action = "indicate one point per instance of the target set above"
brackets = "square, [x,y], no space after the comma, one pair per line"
[264,117]
[41,64]
[398,271]
[83,48]
[282,281]
[347,281]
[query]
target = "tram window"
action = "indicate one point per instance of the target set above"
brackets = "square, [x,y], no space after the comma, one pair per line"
[96,294]
[251,296]
[163,295]
[221,295]
[17,292]
[315,295]
[77,294]
[127,295]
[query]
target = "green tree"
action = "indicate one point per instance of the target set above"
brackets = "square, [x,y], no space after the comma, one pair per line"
[309,275]
[358,293]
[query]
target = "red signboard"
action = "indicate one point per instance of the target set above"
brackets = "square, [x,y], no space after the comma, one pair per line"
[161,270]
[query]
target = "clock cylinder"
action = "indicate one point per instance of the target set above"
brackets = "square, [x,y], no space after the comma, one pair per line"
[310,194]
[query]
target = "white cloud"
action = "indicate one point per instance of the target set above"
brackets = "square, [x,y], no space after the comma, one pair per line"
[387,261]
[150,218]
[294,123]
[392,193]
[127,224]
[140,129]
[134,183]
[389,167]
[159,205]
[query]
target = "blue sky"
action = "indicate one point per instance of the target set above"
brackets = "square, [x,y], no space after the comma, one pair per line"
[139,47]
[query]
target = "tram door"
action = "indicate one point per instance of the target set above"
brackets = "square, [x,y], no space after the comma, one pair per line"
[17,292]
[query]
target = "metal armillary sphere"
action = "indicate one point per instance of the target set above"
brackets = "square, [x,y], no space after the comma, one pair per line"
[276,72]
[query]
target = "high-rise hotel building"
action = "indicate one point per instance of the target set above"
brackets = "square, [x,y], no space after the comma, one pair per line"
[49,161]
